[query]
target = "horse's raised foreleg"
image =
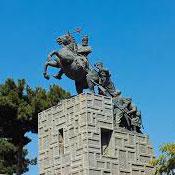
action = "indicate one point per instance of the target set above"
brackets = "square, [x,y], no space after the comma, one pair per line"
[52,64]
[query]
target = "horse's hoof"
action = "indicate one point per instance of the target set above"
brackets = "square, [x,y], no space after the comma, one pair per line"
[46,76]
[57,77]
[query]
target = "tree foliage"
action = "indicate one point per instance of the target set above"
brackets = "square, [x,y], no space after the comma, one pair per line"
[19,108]
[7,157]
[165,163]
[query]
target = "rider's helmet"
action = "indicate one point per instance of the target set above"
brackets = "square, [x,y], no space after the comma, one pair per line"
[85,40]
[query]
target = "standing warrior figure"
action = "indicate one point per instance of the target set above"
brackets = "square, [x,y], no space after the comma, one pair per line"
[120,111]
[105,81]
[135,116]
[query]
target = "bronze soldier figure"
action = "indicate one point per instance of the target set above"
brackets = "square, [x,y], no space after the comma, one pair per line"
[84,49]
[135,116]
[72,60]
[105,81]
[126,114]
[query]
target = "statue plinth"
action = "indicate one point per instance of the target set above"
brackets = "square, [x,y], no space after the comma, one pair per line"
[79,137]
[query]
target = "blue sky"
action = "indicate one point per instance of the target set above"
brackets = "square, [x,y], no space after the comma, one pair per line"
[135,40]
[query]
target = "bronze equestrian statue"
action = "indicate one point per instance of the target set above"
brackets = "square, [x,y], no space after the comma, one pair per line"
[71,63]
[72,60]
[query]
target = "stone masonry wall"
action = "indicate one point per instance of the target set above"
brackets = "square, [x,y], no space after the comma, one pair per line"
[78,137]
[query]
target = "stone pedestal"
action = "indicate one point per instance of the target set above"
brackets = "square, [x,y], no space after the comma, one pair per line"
[78,137]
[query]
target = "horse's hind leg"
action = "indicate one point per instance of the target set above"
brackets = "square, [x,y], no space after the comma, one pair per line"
[90,83]
[79,87]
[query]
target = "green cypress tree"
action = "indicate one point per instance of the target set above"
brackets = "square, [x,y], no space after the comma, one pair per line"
[7,157]
[19,108]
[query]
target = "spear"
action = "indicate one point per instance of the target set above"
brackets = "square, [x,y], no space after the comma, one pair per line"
[77,30]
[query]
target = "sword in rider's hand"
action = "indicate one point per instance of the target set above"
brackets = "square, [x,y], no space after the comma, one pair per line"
[77,30]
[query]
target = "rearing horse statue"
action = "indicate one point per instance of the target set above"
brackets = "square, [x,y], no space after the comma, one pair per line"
[70,62]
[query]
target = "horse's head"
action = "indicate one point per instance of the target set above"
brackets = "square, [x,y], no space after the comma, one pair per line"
[65,39]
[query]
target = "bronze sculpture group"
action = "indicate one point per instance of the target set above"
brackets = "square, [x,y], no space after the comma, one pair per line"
[72,60]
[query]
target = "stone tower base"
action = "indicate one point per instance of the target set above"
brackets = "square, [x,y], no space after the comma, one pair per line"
[78,137]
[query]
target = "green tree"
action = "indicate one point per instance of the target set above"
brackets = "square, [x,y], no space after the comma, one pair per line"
[19,108]
[7,157]
[165,163]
